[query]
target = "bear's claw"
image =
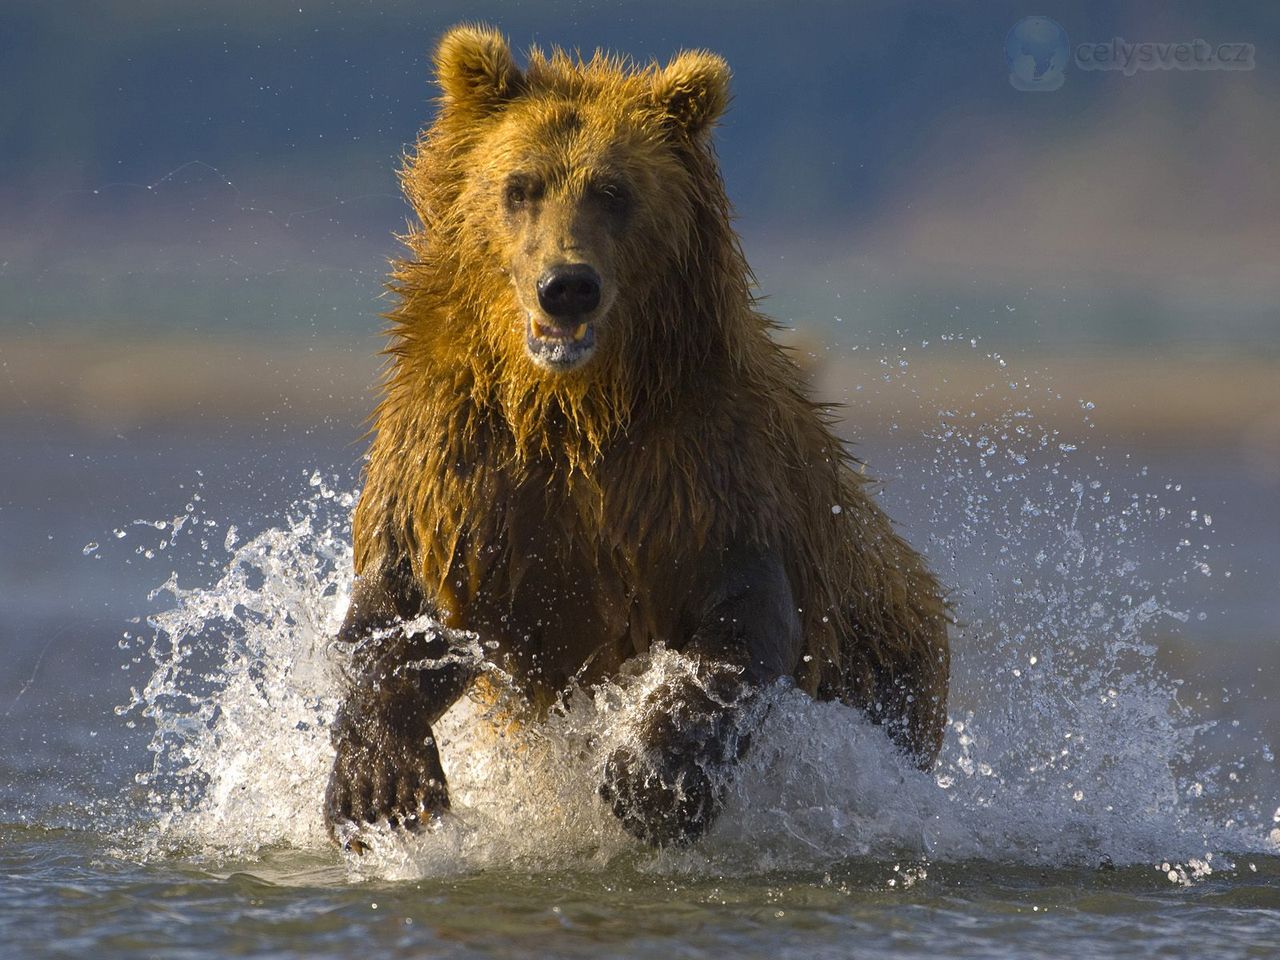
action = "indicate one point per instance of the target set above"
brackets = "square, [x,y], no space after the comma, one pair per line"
[668,790]
[384,777]
[670,804]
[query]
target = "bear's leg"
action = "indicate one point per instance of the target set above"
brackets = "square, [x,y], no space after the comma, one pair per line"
[669,787]
[387,763]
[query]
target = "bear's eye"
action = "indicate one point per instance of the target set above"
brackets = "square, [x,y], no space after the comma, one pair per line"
[517,194]
[612,195]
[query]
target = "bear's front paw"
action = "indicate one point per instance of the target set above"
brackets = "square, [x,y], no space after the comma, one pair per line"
[384,776]
[668,788]
[667,802]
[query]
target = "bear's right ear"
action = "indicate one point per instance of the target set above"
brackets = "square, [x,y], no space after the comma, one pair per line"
[475,69]
[693,90]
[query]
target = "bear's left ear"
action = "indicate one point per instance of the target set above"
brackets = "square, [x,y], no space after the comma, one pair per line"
[475,69]
[693,90]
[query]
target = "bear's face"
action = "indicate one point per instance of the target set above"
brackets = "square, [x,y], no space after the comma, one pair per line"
[576,185]
[568,214]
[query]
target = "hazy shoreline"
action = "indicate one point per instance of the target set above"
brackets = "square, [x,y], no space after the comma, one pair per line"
[1215,402]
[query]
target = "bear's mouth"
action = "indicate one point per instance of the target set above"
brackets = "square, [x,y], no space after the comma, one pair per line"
[559,346]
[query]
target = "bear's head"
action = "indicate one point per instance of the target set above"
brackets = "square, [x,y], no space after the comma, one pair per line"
[573,209]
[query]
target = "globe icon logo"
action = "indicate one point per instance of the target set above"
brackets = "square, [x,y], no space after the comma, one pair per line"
[1036,50]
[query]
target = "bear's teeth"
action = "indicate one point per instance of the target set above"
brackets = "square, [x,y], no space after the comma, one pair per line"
[579,332]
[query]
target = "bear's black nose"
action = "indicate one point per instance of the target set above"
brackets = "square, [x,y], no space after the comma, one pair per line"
[569,290]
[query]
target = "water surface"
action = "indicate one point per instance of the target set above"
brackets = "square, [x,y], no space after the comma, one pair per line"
[1107,786]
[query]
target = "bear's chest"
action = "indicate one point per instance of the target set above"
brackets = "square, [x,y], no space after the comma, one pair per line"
[568,576]
[547,589]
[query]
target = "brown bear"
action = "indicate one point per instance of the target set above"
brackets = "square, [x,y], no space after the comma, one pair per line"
[589,443]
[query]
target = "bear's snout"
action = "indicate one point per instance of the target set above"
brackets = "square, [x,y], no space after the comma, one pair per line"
[569,290]
[561,335]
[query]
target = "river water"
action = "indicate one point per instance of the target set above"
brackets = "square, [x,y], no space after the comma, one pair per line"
[1107,786]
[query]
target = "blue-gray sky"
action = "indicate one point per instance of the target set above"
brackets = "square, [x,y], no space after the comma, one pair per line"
[229,167]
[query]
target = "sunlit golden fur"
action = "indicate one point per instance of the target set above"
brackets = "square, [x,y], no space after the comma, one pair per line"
[571,515]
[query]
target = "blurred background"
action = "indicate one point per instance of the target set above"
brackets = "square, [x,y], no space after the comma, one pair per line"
[198,202]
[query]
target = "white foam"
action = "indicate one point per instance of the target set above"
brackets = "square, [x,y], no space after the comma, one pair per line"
[1065,746]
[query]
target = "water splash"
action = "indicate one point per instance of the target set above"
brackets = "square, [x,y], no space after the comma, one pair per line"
[1065,744]
[243,687]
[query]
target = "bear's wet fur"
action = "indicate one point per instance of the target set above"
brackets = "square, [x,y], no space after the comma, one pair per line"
[588,442]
